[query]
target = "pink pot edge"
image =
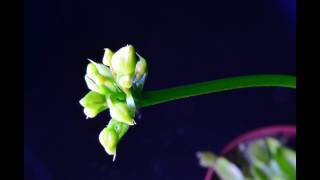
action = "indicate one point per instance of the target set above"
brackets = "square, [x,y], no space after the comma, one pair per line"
[288,130]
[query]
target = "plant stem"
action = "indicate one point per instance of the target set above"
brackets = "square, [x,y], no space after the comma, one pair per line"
[150,98]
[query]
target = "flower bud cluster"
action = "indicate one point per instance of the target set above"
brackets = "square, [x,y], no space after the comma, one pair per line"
[113,83]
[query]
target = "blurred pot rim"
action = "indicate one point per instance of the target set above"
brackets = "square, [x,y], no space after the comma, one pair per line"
[286,130]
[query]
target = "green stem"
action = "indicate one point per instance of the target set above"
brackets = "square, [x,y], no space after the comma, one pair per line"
[150,98]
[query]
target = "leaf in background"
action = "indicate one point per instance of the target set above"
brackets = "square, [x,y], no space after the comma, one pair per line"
[259,173]
[206,159]
[286,160]
[227,170]
[258,151]
[290,156]
[264,159]
[273,145]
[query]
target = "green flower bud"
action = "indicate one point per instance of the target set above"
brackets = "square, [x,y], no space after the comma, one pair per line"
[120,111]
[130,102]
[101,75]
[93,86]
[124,60]
[141,67]
[93,98]
[101,69]
[111,135]
[107,57]
[109,139]
[97,80]
[124,81]
[120,127]
[92,110]
[105,82]
[92,70]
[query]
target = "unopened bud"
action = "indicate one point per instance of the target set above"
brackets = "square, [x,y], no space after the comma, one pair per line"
[93,110]
[101,69]
[99,79]
[92,98]
[93,86]
[109,140]
[141,67]
[110,84]
[107,57]
[120,111]
[124,60]
[101,76]
[124,81]
[92,70]
[120,127]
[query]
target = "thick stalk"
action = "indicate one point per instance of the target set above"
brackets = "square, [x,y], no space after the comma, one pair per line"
[150,98]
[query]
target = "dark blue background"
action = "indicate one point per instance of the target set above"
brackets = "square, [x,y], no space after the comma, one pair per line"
[184,43]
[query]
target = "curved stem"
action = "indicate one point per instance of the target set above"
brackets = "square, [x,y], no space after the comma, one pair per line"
[150,98]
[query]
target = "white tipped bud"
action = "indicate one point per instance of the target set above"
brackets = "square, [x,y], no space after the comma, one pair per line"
[120,112]
[124,60]
[109,140]
[124,81]
[92,70]
[100,69]
[141,67]
[93,110]
[92,98]
[107,57]
[93,86]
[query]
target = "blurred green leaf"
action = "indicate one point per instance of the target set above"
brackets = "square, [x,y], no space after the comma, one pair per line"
[259,173]
[273,145]
[206,159]
[226,170]
[285,158]
[290,156]
[258,151]
[264,159]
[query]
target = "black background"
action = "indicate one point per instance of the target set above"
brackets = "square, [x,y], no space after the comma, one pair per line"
[183,43]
